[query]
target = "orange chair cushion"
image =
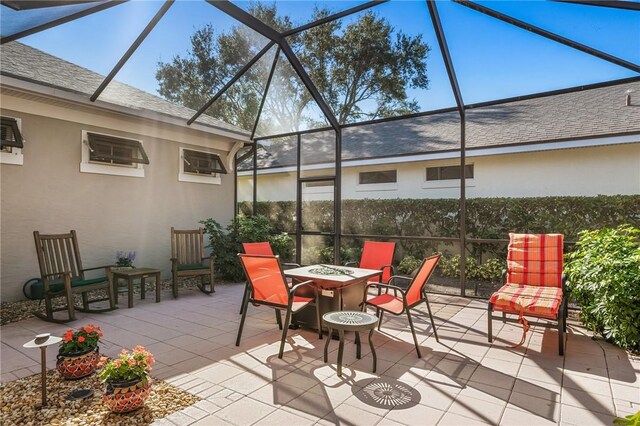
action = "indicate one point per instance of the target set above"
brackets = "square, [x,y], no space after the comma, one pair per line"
[535,259]
[530,300]
[388,302]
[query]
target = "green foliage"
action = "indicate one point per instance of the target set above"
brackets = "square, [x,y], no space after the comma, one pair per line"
[490,270]
[408,265]
[127,366]
[80,340]
[630,420]
[604,277]
[490,218]
[227,243]
[363,70]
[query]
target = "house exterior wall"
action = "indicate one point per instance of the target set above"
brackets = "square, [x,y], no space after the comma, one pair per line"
[602,170]
[110,213]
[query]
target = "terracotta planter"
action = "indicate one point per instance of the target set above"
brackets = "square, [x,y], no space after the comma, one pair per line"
[76,365]
[123,397]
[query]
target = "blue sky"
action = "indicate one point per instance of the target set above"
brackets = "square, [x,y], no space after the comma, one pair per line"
[493,60]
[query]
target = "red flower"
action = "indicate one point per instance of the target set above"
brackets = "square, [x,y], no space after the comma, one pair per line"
[80,339]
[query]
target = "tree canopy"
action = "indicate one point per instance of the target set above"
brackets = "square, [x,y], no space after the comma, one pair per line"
[362,68]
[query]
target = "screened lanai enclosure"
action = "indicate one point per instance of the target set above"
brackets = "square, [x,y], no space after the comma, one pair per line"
[407,121]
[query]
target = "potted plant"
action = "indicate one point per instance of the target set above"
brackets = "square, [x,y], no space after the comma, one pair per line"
[124,260]
[126,379]
[79,353]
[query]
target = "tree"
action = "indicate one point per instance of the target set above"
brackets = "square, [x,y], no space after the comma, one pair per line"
[362,69]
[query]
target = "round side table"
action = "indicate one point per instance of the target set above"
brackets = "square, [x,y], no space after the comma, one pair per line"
[355,321]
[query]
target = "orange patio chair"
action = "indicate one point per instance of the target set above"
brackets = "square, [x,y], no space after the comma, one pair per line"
[269,288]
[533,284]
[262,248]
[377,255]
[404,300]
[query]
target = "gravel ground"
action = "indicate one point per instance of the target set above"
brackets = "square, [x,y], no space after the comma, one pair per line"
[23,309]
[20,397]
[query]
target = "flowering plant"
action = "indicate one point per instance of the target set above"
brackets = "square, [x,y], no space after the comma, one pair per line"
[127,366]
[125,258]
[81,340]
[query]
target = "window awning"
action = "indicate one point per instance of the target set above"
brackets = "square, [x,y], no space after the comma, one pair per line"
[11,135]
[202,162]
[118,150]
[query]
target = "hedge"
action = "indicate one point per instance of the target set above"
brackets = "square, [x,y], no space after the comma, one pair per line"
[487,218]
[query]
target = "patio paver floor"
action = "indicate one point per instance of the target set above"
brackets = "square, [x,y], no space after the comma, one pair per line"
[461,380]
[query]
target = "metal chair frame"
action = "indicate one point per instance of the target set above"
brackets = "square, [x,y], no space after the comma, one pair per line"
[406,307]
[248,298]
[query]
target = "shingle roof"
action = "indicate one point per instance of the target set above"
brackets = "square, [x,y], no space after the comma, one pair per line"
[26,63]
[584,114]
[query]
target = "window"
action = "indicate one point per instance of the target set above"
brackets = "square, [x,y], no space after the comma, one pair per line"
[200,167]
[387,176]
[448,172]
[115,151]
[11,142]
[202,163]
[112,155]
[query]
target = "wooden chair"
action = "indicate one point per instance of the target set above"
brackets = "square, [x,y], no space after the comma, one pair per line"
[269,288]
[533,285]
[188,258]
[63,276]
[404,300]
[377,255]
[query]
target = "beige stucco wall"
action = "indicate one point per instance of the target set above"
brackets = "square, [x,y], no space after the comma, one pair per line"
[606,170]
[110,213]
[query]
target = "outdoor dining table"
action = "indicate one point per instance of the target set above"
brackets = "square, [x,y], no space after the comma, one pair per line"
[340,288]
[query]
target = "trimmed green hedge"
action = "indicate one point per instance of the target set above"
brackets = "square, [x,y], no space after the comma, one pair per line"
[486,217]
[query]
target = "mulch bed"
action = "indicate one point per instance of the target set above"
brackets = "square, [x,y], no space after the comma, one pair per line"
[20,397]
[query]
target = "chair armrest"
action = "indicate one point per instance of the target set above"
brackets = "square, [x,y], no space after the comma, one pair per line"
[351,263]
[399,277]
[293,289]
[98,267]
[387,286]
[383,267]
[291,265]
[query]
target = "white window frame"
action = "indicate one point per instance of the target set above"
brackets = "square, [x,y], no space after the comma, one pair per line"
[16,156]
[195,178]
[88,166]
[447,183]
[324,189]
[388,186]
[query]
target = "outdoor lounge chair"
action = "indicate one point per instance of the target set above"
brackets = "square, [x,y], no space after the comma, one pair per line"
[262,248]
[379,256]
[188,259]
[533,284]
[401,300]
[63,276]
[269,288]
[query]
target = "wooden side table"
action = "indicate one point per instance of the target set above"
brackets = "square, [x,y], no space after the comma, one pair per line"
[131,274]
[349,321]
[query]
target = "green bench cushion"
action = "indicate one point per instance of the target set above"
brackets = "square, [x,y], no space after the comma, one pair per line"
[191,267]
[58,285]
